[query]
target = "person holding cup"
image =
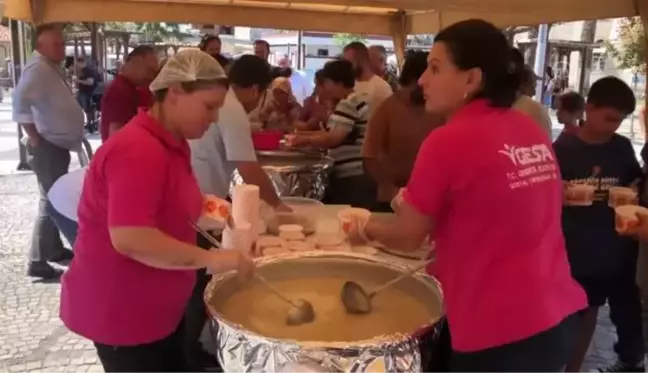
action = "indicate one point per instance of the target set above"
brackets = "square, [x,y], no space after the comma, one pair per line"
[596,158]
[493,211]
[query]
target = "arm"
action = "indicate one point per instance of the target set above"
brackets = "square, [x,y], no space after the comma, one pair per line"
[134,197]
[407,230]
[253,173]
[237,139]
[340,124]
[423,199]
[25,97]
[87,81]
[323,139]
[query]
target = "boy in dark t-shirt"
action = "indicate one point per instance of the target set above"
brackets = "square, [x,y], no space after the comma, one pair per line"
[602,261]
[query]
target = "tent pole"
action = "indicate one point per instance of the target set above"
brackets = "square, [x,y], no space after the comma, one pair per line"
[399,36]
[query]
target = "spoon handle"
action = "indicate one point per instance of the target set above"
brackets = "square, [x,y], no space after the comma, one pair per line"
[206,235]
[274,289]
[400,277]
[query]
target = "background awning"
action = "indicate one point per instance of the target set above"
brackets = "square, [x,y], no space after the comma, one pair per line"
[352,16]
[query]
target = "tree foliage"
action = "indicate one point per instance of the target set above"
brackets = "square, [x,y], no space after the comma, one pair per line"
[155,32]
[344,39]
[630,51]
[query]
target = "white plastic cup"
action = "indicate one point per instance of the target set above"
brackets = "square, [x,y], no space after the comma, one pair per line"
[347,217]
[580,194]
[620,196]
[626,217]
[239,238]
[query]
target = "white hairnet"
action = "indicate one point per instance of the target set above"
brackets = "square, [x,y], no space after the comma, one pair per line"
[187,66]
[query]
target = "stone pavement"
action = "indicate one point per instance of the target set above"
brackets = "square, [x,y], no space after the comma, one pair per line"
[33,339]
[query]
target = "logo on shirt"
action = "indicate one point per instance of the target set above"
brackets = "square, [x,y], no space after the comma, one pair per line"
[527,155]
[534,164]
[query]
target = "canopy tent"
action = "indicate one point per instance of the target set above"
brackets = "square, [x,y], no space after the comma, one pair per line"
[397,18]
[352,16]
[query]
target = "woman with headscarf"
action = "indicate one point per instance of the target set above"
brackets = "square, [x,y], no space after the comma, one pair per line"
[486,187]
[281,109]
[134,268]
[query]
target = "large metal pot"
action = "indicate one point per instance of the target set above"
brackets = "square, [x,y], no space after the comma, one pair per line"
[241,350]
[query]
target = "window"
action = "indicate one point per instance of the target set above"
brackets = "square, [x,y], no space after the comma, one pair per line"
[322,53]
[598,61]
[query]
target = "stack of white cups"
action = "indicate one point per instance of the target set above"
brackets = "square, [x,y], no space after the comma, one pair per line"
[245,216]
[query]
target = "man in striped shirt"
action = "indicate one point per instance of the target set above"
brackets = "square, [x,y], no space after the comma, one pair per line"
[343,137]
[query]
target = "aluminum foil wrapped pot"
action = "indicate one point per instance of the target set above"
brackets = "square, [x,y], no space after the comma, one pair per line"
[294,174]
[240,349]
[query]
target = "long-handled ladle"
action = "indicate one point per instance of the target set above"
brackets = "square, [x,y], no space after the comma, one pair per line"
[357,300]
[301,311]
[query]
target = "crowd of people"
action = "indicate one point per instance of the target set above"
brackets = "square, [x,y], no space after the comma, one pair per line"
[456,147]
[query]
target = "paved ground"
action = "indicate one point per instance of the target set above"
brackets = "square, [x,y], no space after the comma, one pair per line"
[31,336]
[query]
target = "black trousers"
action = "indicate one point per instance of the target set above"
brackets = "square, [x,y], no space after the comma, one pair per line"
[548,351]
[622,294]
[164,355]
[49,162]
[197,359]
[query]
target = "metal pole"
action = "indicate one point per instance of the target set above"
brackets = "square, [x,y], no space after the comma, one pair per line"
[18,63]
[300,50]
[540,58]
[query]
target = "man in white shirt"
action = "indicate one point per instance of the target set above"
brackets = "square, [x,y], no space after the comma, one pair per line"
[227,145]
[375,87]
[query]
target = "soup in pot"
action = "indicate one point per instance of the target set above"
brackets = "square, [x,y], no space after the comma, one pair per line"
[256,308]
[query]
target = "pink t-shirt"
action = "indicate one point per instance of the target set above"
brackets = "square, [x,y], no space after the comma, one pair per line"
[490,181]
[142,177]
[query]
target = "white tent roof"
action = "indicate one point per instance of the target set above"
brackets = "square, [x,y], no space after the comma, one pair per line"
[353,16]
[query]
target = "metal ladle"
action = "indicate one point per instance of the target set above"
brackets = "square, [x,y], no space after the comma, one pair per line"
[301,311]
[357,300]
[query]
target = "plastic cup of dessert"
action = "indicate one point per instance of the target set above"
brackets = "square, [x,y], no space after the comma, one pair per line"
[242,237]
[626,217]
[581,194]
[346,217]
[620,196]
[291,232]
[328,233]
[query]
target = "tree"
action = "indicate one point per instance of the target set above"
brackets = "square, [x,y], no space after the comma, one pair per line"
[630,51]
[154,32]
[344,39]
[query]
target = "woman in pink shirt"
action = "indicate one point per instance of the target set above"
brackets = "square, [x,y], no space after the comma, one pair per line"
[487,188]
[135,253]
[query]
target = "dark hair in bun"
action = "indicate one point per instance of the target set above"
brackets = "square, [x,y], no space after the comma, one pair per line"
[476,43]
